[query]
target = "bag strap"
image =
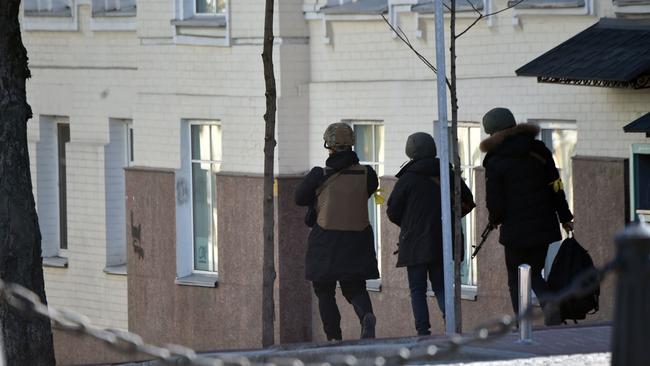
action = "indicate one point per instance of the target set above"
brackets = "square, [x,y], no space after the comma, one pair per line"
[327,180]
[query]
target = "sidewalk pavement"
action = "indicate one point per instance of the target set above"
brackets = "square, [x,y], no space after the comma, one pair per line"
[592,341]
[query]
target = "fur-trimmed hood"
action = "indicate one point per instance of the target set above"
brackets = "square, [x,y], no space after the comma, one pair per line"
[493,142]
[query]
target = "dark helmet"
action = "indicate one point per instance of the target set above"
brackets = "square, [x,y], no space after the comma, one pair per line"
[498,119]
[420,145]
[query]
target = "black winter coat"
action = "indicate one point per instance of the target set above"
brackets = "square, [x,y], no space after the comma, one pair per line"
[520,197]
[414,205]
[336,255]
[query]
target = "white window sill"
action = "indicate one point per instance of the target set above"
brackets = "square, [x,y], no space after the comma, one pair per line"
[119,269]
[198,279]
[466,293]
[55,262]
[203,22]
[202,31]
[373,285]
[50,21]
[115,13]
[49,14]
[631,10]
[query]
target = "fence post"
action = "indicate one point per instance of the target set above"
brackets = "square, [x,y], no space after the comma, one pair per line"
[525,325]
[630,336]
[2,347]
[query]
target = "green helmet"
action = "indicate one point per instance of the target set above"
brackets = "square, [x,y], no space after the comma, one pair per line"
[338,135]
[498,119]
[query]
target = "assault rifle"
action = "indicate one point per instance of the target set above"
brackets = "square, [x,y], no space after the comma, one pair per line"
[486,232]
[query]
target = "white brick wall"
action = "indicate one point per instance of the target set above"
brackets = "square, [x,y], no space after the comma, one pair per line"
[88,77]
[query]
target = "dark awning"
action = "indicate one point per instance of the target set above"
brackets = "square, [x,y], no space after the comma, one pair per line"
[611,53]
[641,124]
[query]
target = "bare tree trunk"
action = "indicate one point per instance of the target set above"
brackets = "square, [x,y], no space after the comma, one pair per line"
[268,276]
[455,156]
[27,340]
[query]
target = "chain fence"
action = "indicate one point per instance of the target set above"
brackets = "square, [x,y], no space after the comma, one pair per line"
[29,304]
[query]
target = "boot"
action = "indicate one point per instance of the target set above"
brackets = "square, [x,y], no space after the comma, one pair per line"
[552,315]
[368,326]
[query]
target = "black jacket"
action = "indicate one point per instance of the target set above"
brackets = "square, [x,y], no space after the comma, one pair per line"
[519,172]
[335,255]
[414,205]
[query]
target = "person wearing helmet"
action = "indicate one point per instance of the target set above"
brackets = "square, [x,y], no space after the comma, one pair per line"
[524,195]
[341,242]
[414,205]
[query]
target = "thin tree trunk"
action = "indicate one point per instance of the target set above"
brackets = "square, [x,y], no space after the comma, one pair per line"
[27,340]
[268,276]
[458,237]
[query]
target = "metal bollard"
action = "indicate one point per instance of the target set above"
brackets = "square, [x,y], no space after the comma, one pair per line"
[525,325]
[630,337]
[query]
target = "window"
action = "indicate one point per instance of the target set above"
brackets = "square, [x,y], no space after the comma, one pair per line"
[114,7]
[560,137]
[202,22]
[640,182]
[48,7]
[129,144]
[50,15]
[209,7]
[206,162]
[117,155]
[51,188]
[369,146]
[469,138]
[63,137]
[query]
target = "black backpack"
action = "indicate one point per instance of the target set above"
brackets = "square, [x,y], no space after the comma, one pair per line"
[571,260]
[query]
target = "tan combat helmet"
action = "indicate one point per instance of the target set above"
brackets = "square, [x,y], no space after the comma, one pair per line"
[338,135]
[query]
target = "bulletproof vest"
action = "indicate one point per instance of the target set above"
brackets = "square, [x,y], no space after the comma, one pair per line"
[342,200]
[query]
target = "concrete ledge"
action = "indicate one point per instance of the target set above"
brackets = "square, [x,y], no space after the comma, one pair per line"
[116,270]
[200,280]
[55,262]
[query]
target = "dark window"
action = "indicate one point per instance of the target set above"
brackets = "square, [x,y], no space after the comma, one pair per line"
[641,165]
[63,133]
[130,145]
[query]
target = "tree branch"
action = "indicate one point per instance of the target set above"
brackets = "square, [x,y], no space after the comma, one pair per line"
[474,7]
[402,36]
[482,16]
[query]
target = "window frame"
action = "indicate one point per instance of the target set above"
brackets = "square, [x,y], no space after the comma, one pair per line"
[470,237]
[47,11]
[130,146]
[636,149]
[468,291]
[191,195]
[374,285]
[201,29]
[62,209]
[125,125]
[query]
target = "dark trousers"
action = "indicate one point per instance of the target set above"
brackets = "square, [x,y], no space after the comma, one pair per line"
[417,276]
[354,292]
[535,258]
